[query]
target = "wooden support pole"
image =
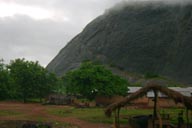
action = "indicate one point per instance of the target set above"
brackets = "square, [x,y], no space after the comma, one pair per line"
[118,122]
[158,114]
[155,107]
[187,117]
[115,125]
[115,120]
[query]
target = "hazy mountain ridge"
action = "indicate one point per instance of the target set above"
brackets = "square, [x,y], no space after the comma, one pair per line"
[136,38]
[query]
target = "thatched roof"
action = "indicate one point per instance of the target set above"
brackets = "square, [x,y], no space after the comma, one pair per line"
[176,96]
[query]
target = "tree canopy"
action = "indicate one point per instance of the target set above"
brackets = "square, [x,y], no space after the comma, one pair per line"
[93,79]
[22,79]
[5,81]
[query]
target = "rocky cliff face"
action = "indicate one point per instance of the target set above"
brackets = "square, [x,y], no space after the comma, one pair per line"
[135,38]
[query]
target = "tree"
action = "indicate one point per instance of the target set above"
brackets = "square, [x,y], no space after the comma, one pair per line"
[4,81]
[60,89]
[93,79]
[46,84]
[30,79]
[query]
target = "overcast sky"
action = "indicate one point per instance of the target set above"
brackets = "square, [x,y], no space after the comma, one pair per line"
[38,29]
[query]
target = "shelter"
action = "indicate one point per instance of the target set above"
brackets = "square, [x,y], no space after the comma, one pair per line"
[59,99]
[151,86]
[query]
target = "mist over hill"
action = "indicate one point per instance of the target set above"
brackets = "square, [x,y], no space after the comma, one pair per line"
[138,37]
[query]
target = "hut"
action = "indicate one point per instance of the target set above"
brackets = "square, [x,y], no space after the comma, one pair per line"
[156,88]
[163,100]
[59,99]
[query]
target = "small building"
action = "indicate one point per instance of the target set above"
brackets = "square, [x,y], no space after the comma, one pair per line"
[140,101]
[59,99]
[164,101]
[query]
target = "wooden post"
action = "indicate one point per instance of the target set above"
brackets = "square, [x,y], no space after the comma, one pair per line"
[187,117]
[118,122]
[155,107]
[158,114]
[115,125]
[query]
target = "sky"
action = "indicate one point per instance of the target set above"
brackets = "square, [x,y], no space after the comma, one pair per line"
[38,29]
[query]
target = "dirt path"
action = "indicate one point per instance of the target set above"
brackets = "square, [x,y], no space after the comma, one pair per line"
[38,112]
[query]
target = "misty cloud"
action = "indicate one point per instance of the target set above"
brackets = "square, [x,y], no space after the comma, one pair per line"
[21,36]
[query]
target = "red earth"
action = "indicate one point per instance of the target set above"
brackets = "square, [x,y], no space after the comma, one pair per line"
[33,112]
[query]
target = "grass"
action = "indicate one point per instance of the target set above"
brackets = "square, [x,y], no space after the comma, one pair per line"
[9,113]
[64,125]
[96,115]
[14,124]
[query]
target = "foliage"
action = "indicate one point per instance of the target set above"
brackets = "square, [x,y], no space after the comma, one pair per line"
[60,89]
[94,79]
[23,79]
[5,81]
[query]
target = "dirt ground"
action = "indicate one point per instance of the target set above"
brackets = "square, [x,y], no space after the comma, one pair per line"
[36,112]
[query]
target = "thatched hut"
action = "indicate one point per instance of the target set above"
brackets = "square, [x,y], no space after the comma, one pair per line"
[151,86]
